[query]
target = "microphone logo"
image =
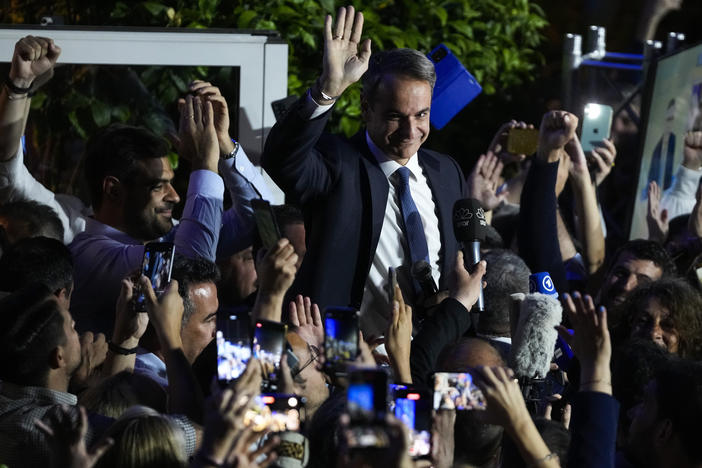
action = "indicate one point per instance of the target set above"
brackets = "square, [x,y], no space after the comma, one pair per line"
[542,283]
[463,215]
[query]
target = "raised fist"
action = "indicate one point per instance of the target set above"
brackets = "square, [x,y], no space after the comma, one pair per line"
[557,129]
[34,57]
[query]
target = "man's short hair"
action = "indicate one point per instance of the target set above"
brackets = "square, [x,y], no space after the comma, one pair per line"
[642,249]
[287,214]
[38,259]
[38,219]
[506,274]
[32,327]
[679,397]
[408,63]
[115,151]
[189,271]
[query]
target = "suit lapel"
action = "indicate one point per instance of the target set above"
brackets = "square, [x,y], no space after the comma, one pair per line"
[443,199]
[374,194]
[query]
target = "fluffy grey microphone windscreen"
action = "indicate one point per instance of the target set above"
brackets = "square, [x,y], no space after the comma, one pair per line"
[535,337]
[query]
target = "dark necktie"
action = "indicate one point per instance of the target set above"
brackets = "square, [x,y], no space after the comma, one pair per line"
[414,230]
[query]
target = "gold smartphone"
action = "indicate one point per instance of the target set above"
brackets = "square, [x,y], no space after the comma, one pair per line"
[522,140]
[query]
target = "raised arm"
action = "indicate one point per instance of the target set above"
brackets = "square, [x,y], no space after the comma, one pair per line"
[538,227]
[33,61]
[290,155]
[588,220]
[242,179]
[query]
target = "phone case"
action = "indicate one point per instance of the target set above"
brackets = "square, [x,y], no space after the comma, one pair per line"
[455,87]
[597,124]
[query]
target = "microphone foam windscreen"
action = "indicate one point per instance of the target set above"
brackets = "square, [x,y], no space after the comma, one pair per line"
[469,222]
[535,337]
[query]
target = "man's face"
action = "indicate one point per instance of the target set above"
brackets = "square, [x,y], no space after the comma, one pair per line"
[238,276]
[150,198]
[71,348]
[200,328]
[397,119]
[640,446]
[628,273]
[653,323]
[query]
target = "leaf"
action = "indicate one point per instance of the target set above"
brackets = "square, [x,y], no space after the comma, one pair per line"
[101,113]
[327,5]
[442,14]
[73,118]
[154,8]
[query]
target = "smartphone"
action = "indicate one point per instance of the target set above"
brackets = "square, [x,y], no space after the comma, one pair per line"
[412,406]
[267,346]
[522,140]
[392,282]
[367,405]
[457,391]
[275,412]
[455,87]
[266,223]
[233,338]
[156,265]
[597,125]
[340,336]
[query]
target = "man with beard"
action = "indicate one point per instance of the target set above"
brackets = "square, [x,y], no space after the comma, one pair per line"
[636,263]
[129,177]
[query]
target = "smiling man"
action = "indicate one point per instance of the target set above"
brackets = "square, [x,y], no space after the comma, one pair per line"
[129,178]
[378,200]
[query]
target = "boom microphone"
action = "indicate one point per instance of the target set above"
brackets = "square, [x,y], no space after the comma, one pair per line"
[470,227]
[535,337]
[421,272]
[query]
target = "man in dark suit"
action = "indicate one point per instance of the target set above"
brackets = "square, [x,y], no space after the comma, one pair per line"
[377,200]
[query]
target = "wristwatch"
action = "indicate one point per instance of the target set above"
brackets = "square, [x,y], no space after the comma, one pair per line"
[233,152]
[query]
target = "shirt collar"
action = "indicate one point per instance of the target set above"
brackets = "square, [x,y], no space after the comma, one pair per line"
[96,228]
[389,166]
[17,392]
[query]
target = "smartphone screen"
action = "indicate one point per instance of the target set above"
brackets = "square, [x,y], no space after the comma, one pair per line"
[233,339]
[265,222]
[275,412]
[156,265]
[597,124]
[457,391]
[340,335]
[367,405]
[267,346]
[413,406]
[522,140]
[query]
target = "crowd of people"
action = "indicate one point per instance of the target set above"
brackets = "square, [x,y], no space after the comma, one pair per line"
[88,378]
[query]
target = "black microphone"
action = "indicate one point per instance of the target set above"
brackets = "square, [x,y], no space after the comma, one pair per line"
[470,227]
[421,272]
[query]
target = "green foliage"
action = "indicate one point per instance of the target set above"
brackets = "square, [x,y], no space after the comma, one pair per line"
[497,40]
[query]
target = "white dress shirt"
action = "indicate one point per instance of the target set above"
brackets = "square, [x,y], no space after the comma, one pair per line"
[392,245]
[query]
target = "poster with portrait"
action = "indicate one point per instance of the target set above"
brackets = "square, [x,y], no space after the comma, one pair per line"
[674,109]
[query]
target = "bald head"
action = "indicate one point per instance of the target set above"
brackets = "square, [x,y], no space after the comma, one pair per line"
[468,353]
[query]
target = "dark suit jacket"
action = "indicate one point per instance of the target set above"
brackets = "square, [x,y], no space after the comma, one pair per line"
[343,194]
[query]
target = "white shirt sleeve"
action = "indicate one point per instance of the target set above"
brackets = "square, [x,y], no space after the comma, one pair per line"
[16,183]
[679,199]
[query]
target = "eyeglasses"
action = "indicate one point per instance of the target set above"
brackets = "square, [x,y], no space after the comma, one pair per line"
[314,354]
